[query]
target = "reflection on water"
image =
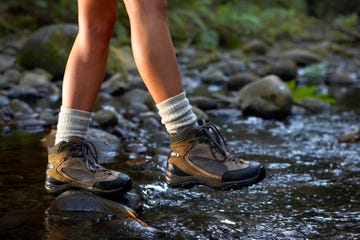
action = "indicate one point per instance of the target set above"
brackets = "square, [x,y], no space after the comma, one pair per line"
[311,192]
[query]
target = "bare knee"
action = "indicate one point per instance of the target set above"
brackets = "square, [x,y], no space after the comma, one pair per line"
[97,24]
[146,10]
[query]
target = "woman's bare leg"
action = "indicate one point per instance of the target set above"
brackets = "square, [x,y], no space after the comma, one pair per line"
[153,48]
[87,61]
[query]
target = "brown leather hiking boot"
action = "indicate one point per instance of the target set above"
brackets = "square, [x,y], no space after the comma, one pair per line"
[199,156]
[73,165]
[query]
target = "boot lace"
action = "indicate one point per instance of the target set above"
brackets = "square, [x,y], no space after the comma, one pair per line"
[87,152]
[209,133]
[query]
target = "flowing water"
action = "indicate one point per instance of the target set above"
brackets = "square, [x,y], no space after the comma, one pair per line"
[311,190]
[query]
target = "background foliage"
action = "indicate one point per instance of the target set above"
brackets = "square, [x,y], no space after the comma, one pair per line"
[210,23]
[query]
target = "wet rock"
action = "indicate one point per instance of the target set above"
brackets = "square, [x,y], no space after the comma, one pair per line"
[4,100]
[238,81]
[301,57]
[115,85]
[48,116]
[107,144]
[10,78]
[229,66]
[135,81]
[77,205]
[268,98]
[48,48]
[150,121]
[35,79]
[136,97]
[6,62]
[204,103]
[103,99]
[350,137]
[137,108]
[256,46]
[30,124]
[105,118]
[135,147]
[19,107]
[203,60]
[213,76]
[340,77]
[286,69]
[225,114]
[314,106]
[23,93]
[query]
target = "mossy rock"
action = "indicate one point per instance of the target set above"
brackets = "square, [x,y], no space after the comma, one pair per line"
[48,48]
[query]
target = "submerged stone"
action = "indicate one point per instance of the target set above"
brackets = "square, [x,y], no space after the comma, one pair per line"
[350,137]
[81,206]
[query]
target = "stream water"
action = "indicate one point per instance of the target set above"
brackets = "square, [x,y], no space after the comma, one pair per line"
[311,190]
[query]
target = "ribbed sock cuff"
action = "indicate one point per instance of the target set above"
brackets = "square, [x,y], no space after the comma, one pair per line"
[176,113]
[72,122]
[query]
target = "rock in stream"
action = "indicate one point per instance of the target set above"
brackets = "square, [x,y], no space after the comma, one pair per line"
[88,212]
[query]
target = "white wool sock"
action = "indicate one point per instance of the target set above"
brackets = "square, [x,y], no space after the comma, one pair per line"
[72,122]
[176,113]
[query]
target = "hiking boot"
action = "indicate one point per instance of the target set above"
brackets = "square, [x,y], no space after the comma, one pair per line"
[199,155]
[73,165]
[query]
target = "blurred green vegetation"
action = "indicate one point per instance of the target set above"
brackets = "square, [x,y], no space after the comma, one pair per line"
[207,23]
[301,92]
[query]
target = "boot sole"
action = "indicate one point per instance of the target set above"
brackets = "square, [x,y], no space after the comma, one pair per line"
[190,181]
[54,187]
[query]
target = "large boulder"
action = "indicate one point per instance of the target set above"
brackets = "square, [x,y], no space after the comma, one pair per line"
[48,48]
[268,97]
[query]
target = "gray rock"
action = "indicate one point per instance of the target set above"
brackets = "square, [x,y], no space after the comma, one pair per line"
[267,98]
[6,62]
[229,66]
[20,107]
[314,106]
[136,97]
[10,77]
[301,57]
[106,118]
[35,78]
[256,46]
[238,81]
[204,103]
[213,76]
[81,205]
[108,145]
[23,92]
[150,121]
[115,85]
[286,69]
[340,77]
[225,114]
[4,100]
[350,137]
[48,48]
